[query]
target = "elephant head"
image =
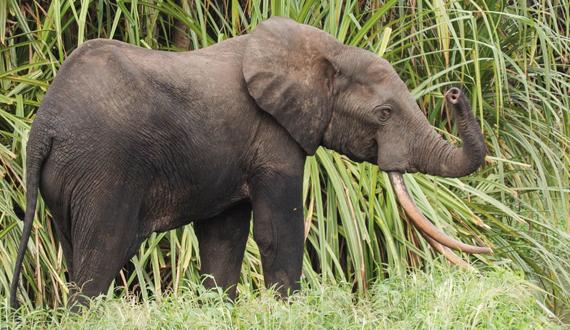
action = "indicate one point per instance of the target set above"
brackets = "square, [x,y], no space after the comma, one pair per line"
[352,101]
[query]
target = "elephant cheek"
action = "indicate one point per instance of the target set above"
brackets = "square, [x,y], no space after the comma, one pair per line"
[393,157]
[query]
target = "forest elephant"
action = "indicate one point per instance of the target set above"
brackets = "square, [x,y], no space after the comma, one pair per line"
[129,141]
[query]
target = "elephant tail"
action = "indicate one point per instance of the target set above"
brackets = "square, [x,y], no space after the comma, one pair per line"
[37,151]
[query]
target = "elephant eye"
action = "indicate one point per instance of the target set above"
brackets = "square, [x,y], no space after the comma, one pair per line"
[384,112]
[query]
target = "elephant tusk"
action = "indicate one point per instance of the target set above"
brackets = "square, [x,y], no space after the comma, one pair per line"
[424,225]
[448,254]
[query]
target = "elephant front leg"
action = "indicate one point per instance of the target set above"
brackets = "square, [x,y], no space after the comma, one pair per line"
[222,241]
[278,230]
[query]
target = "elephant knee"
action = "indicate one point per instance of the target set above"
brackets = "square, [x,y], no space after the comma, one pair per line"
[266,242]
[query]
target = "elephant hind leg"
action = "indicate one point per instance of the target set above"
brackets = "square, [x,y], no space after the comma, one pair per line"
[105,236]
[222,242]
[67,252]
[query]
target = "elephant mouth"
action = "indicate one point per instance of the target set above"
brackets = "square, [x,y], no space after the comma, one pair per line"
[439,240]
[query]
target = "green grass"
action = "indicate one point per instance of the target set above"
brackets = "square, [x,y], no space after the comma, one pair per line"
[512,57]
[443,299]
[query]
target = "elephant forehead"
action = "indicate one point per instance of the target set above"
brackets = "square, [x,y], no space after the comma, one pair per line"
[364,66]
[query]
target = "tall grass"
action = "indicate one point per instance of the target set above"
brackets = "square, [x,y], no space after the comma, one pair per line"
[441,299]
[513,58]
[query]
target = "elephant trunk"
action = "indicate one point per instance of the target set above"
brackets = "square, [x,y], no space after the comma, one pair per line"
[438,157]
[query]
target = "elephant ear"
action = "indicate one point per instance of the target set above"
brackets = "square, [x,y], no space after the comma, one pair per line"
[287,71]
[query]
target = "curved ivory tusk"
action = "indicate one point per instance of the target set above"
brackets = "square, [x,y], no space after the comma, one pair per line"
[448,254]
[424,224]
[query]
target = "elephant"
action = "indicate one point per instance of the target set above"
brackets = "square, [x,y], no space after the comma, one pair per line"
[129,141]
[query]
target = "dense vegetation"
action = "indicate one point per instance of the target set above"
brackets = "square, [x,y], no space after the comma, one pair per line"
[512,57]
[439,299]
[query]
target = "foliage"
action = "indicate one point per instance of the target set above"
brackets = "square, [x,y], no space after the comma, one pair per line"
[442,299]
[512,57]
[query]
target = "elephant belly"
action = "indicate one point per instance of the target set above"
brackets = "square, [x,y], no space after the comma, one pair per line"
[197,196]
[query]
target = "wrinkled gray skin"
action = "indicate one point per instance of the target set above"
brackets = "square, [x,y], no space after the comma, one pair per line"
[130,141]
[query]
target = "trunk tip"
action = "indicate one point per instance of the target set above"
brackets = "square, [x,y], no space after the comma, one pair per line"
[453,95]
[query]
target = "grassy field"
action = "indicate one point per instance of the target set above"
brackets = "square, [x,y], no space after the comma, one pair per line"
[512,58]
[441,299]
